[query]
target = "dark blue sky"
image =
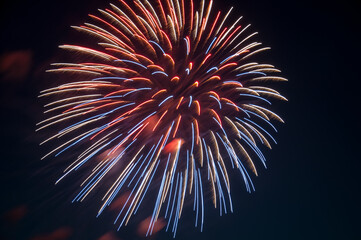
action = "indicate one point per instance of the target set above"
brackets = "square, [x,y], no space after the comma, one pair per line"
[311,189]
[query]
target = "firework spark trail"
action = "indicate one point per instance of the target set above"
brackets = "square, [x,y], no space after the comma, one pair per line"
[169,91]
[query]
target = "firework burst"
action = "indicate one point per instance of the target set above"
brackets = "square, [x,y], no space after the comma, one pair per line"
[168,98]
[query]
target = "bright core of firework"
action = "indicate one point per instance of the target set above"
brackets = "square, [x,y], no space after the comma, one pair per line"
[170,100]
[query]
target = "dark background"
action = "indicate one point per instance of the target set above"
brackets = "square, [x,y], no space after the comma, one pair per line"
[311,189]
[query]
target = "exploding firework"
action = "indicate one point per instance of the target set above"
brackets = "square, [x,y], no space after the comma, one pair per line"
[168,101]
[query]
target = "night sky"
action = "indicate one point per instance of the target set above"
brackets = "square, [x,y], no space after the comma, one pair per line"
[311,189]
